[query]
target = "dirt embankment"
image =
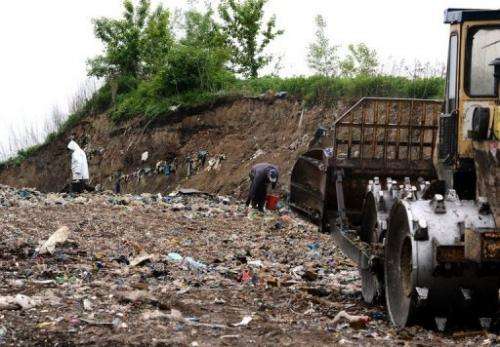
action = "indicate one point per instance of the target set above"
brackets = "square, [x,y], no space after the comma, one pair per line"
[243,132]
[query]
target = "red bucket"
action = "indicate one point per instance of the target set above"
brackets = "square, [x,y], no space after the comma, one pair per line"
[272,202]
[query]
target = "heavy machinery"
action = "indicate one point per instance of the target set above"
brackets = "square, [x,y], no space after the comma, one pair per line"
[409,187]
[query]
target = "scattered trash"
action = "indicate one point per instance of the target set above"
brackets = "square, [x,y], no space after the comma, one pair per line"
[257,154]
[175,257]
[377,315]
[282,95]
[245,276]
[255,263]
[134,268]
[60,236]
[193,264]
[178,207]
[313,246]
[318,291]
[176,315]
[244,322]
[3,332]
[141,259]
[136,296]
[356,322]
[87,305]
[156,314]
[16,302]
[310,275]
[145,156]
[189,191]
[279,225]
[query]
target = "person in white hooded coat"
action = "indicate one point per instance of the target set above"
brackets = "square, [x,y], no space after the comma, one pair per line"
[79,168]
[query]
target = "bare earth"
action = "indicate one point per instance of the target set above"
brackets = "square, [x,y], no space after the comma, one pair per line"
[277,276]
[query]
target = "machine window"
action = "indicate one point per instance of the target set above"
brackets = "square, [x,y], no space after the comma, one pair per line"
[484,47]
[452,67]
[451,84]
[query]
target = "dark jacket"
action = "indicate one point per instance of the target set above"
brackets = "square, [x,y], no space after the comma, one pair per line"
[259,181]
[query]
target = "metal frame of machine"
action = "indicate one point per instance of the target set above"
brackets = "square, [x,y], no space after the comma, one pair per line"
[409,188]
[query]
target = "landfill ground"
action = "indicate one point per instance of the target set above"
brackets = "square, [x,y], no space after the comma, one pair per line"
[187,270]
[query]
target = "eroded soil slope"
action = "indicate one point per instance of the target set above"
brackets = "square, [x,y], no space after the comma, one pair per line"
[243,132]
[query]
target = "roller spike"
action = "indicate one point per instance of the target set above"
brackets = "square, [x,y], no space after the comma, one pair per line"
[381,202]
[441,323]
[421,230]
[422,294]
[389,183]
[466,295]
[439,205]
[485,323]
[452,195]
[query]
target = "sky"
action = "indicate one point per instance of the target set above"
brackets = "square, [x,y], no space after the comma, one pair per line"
[45,44]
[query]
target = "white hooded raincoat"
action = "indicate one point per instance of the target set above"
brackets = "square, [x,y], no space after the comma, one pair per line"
[79,166]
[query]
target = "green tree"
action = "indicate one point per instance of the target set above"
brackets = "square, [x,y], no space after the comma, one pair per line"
[322,56]
[248,35]
[134,44]
[156,41]
[360,60]
[191,68]
[201,30]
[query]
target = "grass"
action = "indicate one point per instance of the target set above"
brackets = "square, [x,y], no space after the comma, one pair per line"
[324,90]
[144,99]
[146,102]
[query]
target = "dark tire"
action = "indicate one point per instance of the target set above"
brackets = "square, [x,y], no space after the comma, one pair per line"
[399,286]
[371,283]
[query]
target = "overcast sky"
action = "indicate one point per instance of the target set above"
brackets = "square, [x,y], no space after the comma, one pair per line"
[45,44]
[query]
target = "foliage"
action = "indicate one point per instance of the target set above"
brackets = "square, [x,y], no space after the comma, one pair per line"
[156,41]
[248,35]
[322,56]
[329,90]
[133,45]
[190,71]
[201,30]
[361,60]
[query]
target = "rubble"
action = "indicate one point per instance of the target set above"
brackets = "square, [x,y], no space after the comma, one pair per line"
[60,236]
[131,270]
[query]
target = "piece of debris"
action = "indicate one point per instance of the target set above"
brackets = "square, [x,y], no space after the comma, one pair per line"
[141,259]
[244,322]
[87,305]
[257,154]
[156,314]
[175,257]
[19,301]
[60,236]
[356,322]
[136,296]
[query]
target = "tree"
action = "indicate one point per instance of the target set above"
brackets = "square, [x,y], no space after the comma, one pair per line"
[156,41]
[201,30]
[322,56]
[134,44]
[248,35]
[361,60]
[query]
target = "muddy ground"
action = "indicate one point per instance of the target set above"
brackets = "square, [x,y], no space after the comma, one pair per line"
[187,270]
